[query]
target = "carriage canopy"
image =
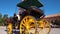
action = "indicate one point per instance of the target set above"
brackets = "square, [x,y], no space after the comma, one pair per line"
[26,4]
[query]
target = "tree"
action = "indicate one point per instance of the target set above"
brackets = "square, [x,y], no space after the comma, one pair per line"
[11,17]
[5,16]
[0,15]
[0,19]
[3,19]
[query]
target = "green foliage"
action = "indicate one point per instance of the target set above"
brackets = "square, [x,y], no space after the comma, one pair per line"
[2,19]
[0,15]
[5,16]
[11,17]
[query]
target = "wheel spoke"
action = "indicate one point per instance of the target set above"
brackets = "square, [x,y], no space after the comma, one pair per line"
[27,25]
[43,27]
[9,28]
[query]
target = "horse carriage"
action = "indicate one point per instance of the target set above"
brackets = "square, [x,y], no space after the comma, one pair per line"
[31,21]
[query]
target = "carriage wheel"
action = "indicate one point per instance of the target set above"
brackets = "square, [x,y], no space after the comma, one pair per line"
[9,28]
[43,27]
[28,25]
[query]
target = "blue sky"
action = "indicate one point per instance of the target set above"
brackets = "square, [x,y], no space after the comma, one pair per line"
[9,6]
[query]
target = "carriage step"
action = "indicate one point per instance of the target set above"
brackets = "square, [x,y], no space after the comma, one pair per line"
[16,31]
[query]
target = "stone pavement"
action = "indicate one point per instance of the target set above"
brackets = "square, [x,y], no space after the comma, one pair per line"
[2,30]
[53,30]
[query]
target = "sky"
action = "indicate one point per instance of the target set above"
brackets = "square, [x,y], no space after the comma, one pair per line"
[9,6]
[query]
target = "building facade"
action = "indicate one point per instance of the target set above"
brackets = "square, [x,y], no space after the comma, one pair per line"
[53,19]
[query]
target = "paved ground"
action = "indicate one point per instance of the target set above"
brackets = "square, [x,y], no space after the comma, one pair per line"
[53,30]
[2,30]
